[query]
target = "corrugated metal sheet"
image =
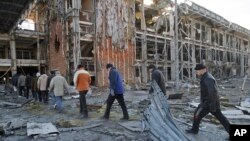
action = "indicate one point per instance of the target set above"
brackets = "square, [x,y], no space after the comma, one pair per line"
[158,119]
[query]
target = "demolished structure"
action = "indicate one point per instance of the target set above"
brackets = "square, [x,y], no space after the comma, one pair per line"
[127,33]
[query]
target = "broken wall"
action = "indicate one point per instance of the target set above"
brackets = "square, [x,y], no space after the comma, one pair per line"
[115,38]
[57,49]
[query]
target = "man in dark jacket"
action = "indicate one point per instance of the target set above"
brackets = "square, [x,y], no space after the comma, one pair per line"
[209,100]
[28,83]
[158,77]
[51,93]
[116,92]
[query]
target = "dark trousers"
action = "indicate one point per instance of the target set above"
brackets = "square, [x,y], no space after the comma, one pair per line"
[202,112]
[44,96]
[21,90]
[83,104]
[27,92]
[39,95]
[110,101]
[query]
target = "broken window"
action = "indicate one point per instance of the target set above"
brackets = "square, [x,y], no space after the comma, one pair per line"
[186,54]
[220,39]
[197,32]
[138,49]
[25,54]
[137,15]
[87,10]
[245,43]
[2,52]
[213,54]
[197,54]
[203,53]
[203,33]
[87,49]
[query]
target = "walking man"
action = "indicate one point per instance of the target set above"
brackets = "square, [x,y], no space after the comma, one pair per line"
[28,82]
[82,82]
[116,92]
[51,93]
[209,100]
[41,85]
[158,77]
[57,85]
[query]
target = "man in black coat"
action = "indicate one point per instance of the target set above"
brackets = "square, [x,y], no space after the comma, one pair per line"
[209,100]
[157,75]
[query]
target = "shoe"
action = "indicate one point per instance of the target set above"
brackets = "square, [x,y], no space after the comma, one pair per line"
[191,131]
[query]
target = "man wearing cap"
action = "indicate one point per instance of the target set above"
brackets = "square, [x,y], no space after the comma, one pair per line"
[116,92]
[82,82]
[158,77]
[209,100]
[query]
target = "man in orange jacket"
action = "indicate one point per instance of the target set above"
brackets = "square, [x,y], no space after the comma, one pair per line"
[82,81]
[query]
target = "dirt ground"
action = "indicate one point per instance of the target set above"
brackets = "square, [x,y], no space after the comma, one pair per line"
[72,126]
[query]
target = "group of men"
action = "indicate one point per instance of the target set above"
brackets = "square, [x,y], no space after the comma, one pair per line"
[209,98]
[41,86]
[82,82]
[56,84]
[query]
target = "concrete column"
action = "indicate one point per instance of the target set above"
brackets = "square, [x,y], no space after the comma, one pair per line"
[209,37]
[38,52]
[144,46]
[193,61]
[13,54]
[76,29]
[242,60]
[193,48]
[172,48]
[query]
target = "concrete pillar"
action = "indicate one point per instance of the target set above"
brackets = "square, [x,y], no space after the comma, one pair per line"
[172,48]
[193,48]
[242,60]
[144,46]
[13,54]
[38,52]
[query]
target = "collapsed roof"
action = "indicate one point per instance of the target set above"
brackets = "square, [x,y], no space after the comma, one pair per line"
[10,12]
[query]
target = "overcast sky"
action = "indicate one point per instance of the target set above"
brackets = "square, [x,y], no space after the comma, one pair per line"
[236,11]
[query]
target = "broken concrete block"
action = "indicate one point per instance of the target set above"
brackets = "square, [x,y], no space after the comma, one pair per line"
[193,104]
[34,129]
[69,123]
[226,104]
[245,103]
[224,99]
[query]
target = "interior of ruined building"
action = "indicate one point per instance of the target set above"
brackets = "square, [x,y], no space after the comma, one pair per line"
[74,31]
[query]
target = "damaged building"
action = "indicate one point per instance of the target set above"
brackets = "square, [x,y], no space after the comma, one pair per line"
[43,35]
[128,33]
